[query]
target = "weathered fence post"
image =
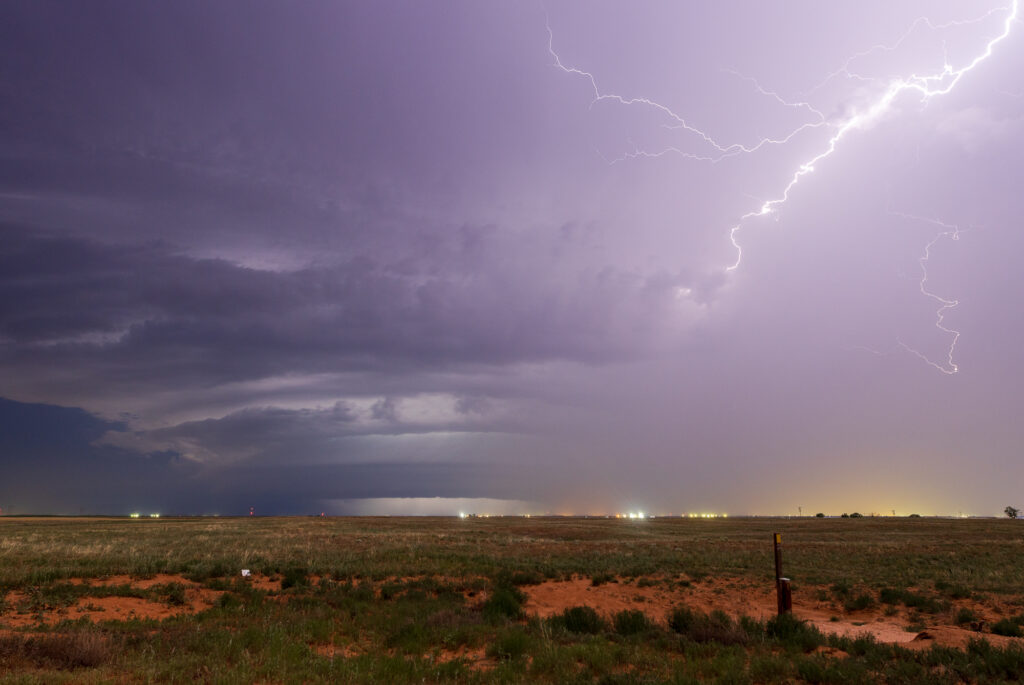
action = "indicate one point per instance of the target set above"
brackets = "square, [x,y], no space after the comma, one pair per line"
[782,587]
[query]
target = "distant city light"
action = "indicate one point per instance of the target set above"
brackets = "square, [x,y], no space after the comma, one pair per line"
[134,516]
[154,516]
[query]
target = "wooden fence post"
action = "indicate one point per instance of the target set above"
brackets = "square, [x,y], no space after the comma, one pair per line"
[783,590]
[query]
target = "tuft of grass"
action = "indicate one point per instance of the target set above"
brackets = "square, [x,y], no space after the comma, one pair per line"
[509,645]
[85,649]
[790,631]
[859,603]
[174,594]
[504,603]
[631,622]
[965,616]
[1007,627]
[582,619]
[294,576]
[714,627]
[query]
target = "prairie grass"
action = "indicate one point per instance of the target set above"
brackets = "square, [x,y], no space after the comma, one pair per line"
[398,600]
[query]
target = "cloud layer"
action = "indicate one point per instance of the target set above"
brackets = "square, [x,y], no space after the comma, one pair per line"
[299,258]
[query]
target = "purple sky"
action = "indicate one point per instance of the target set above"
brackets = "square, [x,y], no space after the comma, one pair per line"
[420,257]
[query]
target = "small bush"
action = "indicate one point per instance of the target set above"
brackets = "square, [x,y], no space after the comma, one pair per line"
[509,645]
[295,576]
[504,602]
[517,578]
[681,619]
[965,616]
[631,622]
[859,603]
[888,595]
[790,631]
[58,650]
[1007,627]
[582,619]
[601,579]
[841,590]
[713,627]
[928,605]
[229,600]
[953,590]
[174,594]
[390,590]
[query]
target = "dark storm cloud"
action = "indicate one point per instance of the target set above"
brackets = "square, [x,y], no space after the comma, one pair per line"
[53,462]
[168,314]
[378,249]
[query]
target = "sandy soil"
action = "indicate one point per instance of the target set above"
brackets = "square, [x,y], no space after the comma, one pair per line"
[734,597]
[740,597]
[197,599]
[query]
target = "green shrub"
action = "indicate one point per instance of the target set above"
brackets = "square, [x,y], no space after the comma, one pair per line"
[713,627]
[1007,627]
[296,576]
[888,595]
[601,579]
[631,622]
[174,594]
[965,616]
[928,605]
[841,590]
[790,631]
[509,645]
[229,600]
[953,590]
[859,603]
[582,619]
[516,578]
[505,602]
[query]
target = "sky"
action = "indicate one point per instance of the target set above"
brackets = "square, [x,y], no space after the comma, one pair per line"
[542,257]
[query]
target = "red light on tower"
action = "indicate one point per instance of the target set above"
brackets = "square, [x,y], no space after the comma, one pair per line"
[252,511]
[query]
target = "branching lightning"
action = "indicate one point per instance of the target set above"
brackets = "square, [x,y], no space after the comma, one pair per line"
[721,150]
[951,232]
[928,86]
[925,86]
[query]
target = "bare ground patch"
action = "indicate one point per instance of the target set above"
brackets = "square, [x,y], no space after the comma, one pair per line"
[743,597]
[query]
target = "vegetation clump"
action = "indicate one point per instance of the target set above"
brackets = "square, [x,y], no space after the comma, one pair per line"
[505,602]
[582,619]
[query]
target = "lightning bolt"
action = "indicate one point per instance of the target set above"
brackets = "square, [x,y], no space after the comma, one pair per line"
[721,150]
[952,232]
[926,87]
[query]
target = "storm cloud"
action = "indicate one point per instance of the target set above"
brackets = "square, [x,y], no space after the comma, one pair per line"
[304,257]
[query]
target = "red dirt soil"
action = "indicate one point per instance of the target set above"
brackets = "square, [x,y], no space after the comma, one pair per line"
[741,597]
[197,599]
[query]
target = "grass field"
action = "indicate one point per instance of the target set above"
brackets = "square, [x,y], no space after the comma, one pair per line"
[476,600]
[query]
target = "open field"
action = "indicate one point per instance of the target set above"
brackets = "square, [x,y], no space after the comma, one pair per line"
[498,600]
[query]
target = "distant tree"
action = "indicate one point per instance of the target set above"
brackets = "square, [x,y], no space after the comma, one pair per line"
[856,515]
[1012,512]
[845,515]
[819,515]
[915,516]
